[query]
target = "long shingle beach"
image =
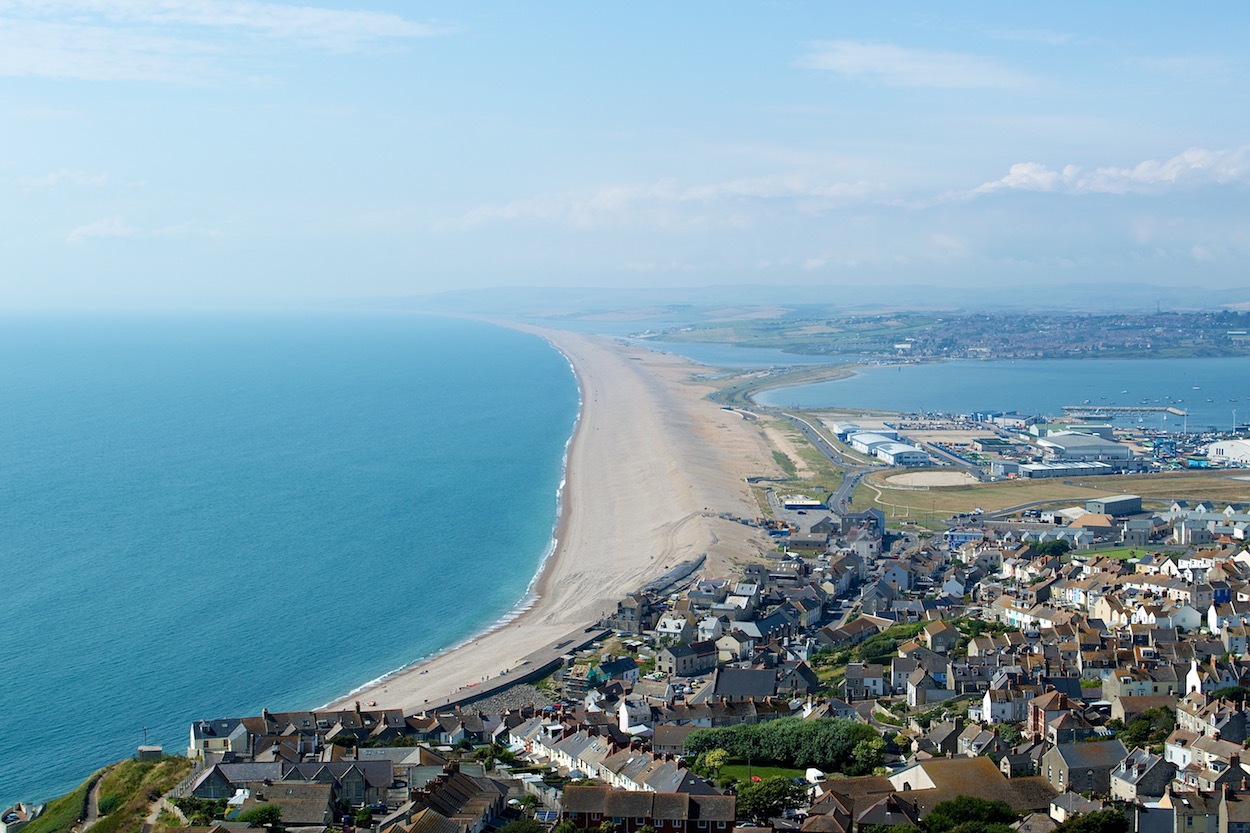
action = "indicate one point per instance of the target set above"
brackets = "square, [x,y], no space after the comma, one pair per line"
[651,466]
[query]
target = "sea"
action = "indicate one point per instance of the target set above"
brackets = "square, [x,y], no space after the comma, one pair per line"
[205,516]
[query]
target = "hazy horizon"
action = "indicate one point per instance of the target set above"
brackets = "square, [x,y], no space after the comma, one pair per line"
[187,154]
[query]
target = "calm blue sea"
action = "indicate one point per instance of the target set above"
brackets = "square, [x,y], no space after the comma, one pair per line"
[1213,391]
[202,517]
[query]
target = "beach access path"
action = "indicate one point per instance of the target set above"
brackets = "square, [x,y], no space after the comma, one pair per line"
[650,466]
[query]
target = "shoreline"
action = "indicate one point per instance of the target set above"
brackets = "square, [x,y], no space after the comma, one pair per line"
[639,414]
[531,595]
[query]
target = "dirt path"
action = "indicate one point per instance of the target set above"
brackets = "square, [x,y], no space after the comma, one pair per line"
[93,806]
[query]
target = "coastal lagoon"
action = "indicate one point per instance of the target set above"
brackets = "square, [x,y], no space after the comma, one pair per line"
[204,517]
[1213,391]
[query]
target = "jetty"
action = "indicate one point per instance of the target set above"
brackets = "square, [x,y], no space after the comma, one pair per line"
[1096,411]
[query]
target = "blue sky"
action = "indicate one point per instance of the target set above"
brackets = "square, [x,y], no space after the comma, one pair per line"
[186,153]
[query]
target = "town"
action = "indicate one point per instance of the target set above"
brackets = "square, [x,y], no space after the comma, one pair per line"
[862,678]
[956,334]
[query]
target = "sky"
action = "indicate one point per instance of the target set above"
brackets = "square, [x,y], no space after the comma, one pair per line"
[247,154]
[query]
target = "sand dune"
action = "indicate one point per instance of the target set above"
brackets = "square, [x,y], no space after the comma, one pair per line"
[650,467]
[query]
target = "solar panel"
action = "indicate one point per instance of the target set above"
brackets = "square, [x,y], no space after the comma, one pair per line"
[546,816]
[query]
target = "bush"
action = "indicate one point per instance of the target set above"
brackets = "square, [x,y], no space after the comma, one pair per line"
[264,815]
[108,803]
[831,744]
[965,810]
[762,801]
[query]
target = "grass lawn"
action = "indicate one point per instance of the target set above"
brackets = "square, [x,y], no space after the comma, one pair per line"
[62,814]
[737,770]
[1123,553]
[940,502]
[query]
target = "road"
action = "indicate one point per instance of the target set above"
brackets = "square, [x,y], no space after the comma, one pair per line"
[973,469]
[852,472]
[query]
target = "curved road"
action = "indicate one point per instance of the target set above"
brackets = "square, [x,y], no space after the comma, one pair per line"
[852,471]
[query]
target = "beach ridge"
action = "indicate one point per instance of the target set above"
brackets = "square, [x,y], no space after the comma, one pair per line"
[649,466]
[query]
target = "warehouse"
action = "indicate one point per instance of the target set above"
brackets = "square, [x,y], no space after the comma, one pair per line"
[868,442]
[1040,470]
[1063,448]
[902,454]
[1229,453]
[1117,507]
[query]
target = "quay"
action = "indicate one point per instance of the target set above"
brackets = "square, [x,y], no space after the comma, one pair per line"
[1120,410]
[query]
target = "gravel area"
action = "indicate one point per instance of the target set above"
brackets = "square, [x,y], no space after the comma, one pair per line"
[516,697]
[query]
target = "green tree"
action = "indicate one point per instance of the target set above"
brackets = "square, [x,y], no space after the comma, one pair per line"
[771,797]
[869,754]
[1150,727]
[828,744]
[363,817]
[709,763]
[981,827]
[955,812]
[1103,821]
[263,815]
[606,827]
[565,826]
[1055,547]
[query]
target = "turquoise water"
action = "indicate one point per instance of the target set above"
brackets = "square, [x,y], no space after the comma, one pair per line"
[1211,390]
[203,517]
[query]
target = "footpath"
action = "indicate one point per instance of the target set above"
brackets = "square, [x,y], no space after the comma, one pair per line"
[534,666]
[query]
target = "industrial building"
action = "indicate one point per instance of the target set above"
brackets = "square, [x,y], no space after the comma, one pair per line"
[888,448]
[902,454]
[867,442]
[1040,470]
[1229,453]
[842,430]
[1048,429]
[1084,448]
[1117,507]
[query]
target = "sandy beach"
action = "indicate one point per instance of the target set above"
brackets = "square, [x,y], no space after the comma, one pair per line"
[651,466]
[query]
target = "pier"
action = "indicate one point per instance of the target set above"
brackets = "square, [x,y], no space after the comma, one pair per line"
[1096,411]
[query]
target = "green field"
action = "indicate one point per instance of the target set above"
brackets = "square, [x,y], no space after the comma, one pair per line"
[939,502]
[737,770]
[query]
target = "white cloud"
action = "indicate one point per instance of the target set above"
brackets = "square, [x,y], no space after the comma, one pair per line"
[54,180]
[1195,65]
[175,40]
[115,227]
[324,27]
[1196,166]
[898,66]
[102,229]
[667,204]
[1046,37]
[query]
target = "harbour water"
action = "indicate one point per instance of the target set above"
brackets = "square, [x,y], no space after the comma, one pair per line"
[203,517]
[1211,390]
